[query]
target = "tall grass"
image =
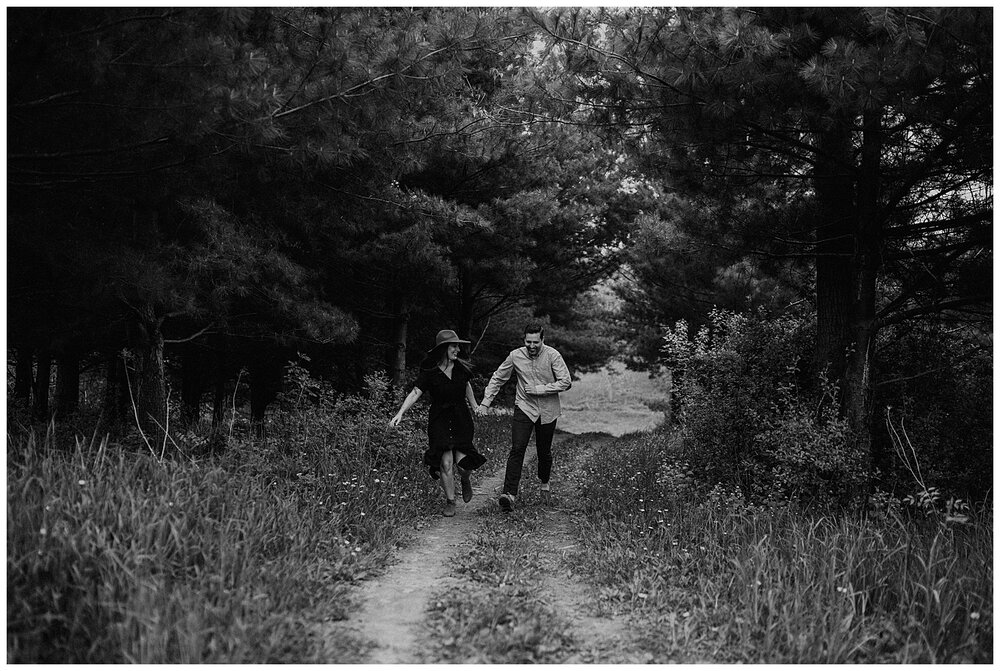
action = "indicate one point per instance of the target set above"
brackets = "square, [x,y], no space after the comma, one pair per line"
[721,580]
[118,556]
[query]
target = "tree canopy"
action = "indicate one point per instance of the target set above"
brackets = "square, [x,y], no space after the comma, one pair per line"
[344,182]
[853,140]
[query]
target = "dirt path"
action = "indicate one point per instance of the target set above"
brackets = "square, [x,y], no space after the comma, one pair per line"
[602,637]
[394,605]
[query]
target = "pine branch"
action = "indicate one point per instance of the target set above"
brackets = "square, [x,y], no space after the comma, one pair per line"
[104,26]
[45,100]
[91,152]
[935,307]
[189,338]
[925,279]
[357,87]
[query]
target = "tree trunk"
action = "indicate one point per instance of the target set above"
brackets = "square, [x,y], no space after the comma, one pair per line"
[398,367]
[217,349]
[218,400]
[40,395]
[834,254]
[192,384]
[68,382]
[23,374]
[116,396]
[847,269]
[265,382]
[858,383]
[149,382]
[466,314]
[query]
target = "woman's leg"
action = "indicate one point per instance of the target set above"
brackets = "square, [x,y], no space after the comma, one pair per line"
[448,475]
[464,475]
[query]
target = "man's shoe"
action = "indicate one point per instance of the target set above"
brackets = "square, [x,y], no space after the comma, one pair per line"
[507,502]
[449,508]
[466,488]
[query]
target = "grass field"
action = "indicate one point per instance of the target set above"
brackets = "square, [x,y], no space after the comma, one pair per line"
[615,401]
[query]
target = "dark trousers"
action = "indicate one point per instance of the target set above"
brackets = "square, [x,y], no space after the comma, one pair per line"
[520,433]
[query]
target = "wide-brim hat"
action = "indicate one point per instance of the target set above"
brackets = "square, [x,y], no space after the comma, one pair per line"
[446,337]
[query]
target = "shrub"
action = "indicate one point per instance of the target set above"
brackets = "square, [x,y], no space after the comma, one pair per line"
[745,416]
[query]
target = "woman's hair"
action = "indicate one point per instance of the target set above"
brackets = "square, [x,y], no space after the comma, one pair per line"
[434,357]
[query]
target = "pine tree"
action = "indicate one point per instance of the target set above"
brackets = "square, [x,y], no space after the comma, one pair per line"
[874,125]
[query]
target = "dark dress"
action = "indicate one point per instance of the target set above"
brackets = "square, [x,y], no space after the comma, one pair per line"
[449,422]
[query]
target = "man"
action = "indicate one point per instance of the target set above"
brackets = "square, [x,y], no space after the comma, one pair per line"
[541,375]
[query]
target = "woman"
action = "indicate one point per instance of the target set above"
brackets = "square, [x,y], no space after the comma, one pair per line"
[449,423]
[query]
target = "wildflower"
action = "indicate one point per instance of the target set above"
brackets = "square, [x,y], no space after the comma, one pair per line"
[44,532]
[81,482]
[974,616]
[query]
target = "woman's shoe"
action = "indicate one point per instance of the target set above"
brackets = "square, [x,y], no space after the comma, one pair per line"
[449,508]
[466,487]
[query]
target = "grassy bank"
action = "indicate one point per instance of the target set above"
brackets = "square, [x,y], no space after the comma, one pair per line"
[118,556]
[713,579]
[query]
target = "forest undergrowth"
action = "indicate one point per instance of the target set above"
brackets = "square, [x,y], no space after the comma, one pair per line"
[116,555]
[708,576]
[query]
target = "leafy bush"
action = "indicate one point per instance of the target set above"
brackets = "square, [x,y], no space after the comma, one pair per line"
[745,416]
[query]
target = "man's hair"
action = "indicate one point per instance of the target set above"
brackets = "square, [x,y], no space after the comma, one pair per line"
[534,328]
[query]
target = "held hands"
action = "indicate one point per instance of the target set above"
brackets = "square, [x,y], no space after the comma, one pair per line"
[481,410]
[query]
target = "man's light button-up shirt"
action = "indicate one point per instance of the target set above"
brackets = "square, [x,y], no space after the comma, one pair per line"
[547,369]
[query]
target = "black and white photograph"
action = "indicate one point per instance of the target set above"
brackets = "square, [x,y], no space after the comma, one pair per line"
[498,334]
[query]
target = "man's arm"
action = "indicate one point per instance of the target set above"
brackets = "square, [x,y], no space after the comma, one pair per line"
[502,374]
[563,379]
